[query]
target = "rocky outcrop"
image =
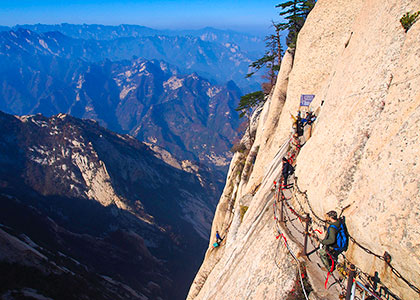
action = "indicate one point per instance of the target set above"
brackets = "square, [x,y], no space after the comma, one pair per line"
[218,55]
[149,99]
[124,210]
[363,156]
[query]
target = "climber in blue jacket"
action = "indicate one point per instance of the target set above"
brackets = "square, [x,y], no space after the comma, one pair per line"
[335,240]
[218,237]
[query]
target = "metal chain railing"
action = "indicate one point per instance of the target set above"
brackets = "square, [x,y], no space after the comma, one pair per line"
[303,219]
[305,196]
[314,238]
[368,281]
[322,223]
[291,222]
[280,234]
[367,250]
[360,272]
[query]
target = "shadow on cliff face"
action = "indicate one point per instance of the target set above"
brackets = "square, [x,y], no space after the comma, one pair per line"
[105,240]
[51,165]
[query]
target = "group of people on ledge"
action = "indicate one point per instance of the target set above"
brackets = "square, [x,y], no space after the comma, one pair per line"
[336,237]
[300,122]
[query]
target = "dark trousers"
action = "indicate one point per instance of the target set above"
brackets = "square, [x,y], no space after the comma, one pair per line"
[285,177]
[326,256]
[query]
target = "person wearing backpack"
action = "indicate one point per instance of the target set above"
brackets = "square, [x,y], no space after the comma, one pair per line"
[335,241]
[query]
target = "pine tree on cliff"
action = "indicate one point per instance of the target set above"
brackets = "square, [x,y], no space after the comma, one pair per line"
[271,59]
[295,13]
[248,103]
[246,107]
[273,43]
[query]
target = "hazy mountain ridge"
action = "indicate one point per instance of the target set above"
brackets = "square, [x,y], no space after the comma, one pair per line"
[249,42]
[148,99]
[106,200]
[101,194]
[217,61]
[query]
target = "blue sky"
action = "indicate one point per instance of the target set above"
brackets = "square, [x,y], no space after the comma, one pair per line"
[249,15]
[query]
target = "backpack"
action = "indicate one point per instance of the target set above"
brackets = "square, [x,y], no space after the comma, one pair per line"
[342,238]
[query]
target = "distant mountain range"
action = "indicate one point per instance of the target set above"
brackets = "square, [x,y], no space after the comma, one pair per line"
[217,55]
[90,214]
[101,214]
[51,73]
[247,42]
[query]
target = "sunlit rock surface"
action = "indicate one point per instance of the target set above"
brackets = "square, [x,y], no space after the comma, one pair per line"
[364,152]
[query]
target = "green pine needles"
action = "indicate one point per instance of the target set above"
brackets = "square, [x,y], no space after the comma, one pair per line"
[271,59]
[408,19]
[295,13]
[248,102]
[259,63]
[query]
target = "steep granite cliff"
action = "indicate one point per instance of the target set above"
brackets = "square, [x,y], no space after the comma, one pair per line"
[362,159]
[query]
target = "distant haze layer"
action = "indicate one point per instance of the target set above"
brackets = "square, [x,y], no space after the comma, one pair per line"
[239,15]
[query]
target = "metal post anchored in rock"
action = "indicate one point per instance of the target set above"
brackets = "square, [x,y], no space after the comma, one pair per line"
[350,282]
[375,280]
[305,243]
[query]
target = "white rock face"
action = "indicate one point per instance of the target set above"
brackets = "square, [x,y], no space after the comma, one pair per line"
[126,90]
[97,180]
[213,91]
[173,83]
[364,152]
[165,156]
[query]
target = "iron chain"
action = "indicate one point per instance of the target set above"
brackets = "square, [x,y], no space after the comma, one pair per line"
[322,222]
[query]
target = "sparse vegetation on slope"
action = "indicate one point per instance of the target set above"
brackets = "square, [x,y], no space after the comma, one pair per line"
[408,19]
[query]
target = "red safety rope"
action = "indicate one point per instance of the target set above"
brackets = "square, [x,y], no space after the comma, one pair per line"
[291,209]
[295,213]
[284,238]
[330,271]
